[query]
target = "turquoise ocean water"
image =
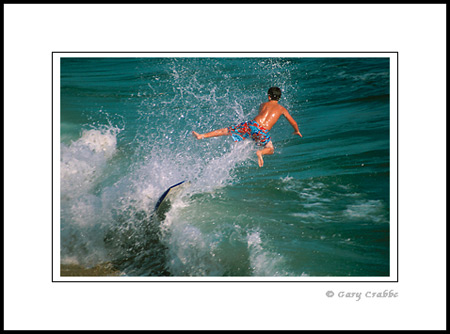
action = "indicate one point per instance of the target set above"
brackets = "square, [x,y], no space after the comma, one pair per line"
[319,206]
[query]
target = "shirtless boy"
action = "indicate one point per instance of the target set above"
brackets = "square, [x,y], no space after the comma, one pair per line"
[258,128]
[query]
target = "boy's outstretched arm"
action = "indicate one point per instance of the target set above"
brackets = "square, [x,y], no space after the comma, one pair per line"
[293,123]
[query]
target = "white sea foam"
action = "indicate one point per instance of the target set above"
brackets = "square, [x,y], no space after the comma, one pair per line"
[286,179]
[262,261]
[84,159]
[366,209]
[217,171]
[192,253]
[81,166]
[310,214]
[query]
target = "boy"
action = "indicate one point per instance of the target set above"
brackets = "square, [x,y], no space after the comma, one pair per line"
[258,128]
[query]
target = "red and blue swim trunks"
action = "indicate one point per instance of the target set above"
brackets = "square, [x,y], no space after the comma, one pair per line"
[250,129]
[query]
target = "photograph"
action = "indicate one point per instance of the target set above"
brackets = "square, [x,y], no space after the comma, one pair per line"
[225,165]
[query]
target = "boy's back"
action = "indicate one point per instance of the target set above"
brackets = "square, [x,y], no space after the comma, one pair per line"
[269,113]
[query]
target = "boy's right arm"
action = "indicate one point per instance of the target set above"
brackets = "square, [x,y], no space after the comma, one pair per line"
[293,123]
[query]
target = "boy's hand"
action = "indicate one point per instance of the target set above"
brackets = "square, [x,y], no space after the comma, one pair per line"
[298,133]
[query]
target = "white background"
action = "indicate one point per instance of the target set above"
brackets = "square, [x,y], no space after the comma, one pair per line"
[33,32]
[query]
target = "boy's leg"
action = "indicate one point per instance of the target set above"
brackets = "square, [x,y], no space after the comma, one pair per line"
[216,133]
[267,150]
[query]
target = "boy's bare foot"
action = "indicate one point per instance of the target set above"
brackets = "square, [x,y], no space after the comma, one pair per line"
[196,135]
[260,159]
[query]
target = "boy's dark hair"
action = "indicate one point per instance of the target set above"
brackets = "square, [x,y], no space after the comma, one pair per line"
[274,93]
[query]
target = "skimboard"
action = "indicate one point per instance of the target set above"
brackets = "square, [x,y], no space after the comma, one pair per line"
[165,201]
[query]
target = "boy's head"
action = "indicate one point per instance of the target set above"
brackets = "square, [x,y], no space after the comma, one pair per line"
[274,93]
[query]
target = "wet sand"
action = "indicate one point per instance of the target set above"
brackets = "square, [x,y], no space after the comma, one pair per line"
[104,269]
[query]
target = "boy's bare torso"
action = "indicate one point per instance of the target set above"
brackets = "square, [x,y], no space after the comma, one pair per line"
[269,113]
